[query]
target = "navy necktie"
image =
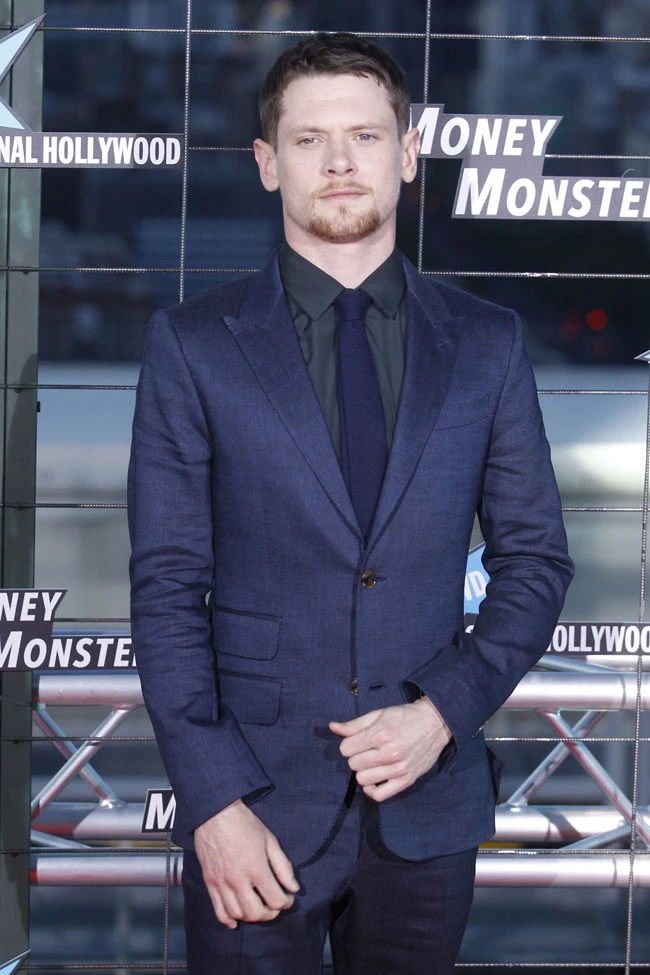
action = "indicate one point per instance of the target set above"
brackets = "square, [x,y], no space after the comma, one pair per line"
[361,414]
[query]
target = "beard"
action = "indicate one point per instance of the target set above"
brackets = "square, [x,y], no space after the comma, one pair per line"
[343,226]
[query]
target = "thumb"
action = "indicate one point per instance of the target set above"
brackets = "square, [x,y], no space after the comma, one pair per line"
[347,728]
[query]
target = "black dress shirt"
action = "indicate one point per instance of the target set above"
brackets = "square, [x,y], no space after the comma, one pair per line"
[311,293]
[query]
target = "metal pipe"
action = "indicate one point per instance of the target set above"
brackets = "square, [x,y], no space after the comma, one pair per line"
[51,729]
[553,760]
[598,773]
[86,821]
[78,760]
[531,869]
[585,691]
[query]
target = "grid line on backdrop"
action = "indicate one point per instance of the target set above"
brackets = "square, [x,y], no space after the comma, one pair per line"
[427,36]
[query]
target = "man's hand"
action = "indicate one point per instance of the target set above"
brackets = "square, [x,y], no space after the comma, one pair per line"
[392,747]
[244,867]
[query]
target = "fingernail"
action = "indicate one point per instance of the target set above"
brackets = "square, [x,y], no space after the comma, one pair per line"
[295,884]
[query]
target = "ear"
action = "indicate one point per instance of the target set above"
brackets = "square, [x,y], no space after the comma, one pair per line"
[410,150]
[265,159]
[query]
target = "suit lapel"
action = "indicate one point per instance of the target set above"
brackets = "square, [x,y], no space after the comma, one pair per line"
[267,339]
[431,349]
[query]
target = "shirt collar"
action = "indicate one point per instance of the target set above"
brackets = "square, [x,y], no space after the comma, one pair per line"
[315,291]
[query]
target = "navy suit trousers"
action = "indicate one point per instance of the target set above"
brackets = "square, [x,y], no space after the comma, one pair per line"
[384,915]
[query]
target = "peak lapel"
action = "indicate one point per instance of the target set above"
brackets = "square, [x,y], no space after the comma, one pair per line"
[431,349]
[266,336]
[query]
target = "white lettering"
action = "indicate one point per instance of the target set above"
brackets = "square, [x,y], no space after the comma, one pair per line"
[17,151]
[597,633]
[632,639]
[8,606]
[614,638]
[173,151]
[38,647]
[103,643]
[60,654]
[79,158]
[9,652]
[560,639]
[123,150]
[490,193]
[426,126]
[66,149]
[541,134]
[105,144]
[159,816]
[90,149]
[50,602]
[631,195]
[29,155]
[553,195]
[607,186]
[123,652]
[140,151]
[157,151]
[84,656]
[454,148]
[28,612]
[514,134]
[513,206]
[579,195]
[50,149]
[487,137]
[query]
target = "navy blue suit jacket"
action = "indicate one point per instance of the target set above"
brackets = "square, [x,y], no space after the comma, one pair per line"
[249,618]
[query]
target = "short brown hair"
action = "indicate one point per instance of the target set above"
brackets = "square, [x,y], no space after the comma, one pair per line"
[339,53]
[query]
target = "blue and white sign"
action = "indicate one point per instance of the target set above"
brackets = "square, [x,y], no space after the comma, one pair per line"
[476,580]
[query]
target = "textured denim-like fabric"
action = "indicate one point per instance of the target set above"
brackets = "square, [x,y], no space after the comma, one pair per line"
[385,915]
[236,494]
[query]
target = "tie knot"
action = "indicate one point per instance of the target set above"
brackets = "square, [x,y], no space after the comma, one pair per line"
[353,305]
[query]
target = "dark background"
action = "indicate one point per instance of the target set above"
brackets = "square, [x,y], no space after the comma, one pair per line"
[134,81]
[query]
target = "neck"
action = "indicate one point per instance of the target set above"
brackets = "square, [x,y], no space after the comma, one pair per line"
[349,264]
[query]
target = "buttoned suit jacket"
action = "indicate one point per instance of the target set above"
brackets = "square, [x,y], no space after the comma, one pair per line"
[249,616]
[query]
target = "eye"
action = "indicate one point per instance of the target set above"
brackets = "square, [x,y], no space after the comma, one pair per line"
[366,136]
[307,140]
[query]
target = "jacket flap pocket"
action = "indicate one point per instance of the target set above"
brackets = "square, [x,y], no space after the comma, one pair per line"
[253,700]
[245,635]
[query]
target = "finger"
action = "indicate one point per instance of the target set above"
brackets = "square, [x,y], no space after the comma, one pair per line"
[255,908]
[347,728]
[232,903]
[363,741]
[373,758]
[387,789]
[220,910]
[381,773]
[281,864]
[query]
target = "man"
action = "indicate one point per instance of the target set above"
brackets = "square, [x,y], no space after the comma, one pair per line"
[311,445]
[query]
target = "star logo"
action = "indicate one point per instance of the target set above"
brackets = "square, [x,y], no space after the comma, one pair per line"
[11,47]
[11,966]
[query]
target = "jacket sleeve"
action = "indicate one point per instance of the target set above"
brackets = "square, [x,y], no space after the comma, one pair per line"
[207,759]
[525,556]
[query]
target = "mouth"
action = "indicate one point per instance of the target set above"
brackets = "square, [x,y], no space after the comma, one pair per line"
[335,195]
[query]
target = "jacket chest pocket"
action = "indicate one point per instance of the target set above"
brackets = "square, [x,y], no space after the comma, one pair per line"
[252,635]
[462,411]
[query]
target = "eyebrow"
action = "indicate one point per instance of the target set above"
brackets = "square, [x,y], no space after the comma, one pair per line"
[362,127]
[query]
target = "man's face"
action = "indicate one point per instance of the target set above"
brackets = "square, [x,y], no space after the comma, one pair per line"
[339,159]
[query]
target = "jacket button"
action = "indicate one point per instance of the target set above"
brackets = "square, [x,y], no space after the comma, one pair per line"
[353,686]
[368,579]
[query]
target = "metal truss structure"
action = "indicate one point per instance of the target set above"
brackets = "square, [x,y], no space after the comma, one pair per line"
[62,830]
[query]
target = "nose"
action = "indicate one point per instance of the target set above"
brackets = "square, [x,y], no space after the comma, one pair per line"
[338,159]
